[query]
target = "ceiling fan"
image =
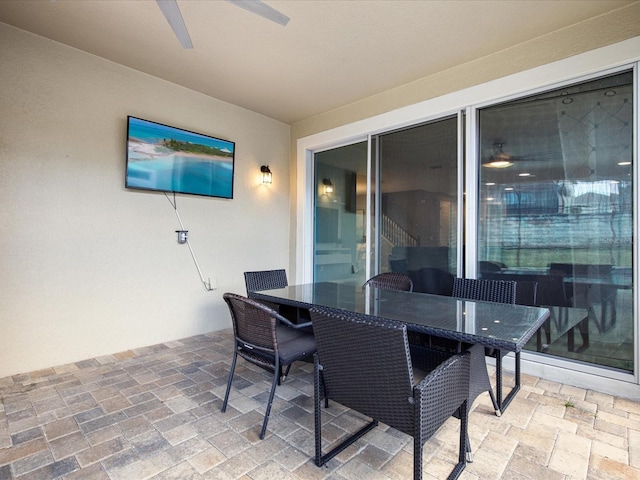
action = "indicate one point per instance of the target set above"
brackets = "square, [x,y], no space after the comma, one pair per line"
[172,13]
[502,159]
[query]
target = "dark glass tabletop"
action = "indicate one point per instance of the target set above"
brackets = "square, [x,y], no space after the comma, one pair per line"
[497,325]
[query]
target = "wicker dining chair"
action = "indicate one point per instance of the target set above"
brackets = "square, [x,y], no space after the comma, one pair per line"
[265,280]
[365,364]
[269,279]
[427,351]
[500,291]
[266,339]
[391,281]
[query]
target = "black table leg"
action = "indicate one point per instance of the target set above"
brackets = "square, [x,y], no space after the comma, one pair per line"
[503,404]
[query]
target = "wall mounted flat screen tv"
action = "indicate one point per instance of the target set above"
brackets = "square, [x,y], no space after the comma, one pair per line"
[169,159]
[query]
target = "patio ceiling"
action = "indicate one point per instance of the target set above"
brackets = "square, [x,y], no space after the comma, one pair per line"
[330,54]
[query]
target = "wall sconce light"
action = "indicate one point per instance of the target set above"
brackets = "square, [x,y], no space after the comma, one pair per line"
[328,186]
[266,174]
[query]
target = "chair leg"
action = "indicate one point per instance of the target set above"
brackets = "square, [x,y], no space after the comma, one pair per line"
[547,330]
[317,394]
[276,378]
[496,407]
[286,372]
[563,317]
[417,457]
[464,439]
[233,367]
[318,391]
[464,447]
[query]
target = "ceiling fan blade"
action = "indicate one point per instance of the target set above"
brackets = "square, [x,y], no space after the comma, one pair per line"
[174,17]
[260,8]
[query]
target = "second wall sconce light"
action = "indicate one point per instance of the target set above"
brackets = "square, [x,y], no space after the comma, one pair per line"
[266,174]
[328,186]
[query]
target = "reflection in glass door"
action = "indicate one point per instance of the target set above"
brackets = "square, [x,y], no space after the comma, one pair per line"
[555,207]
[418,220]
[340,209]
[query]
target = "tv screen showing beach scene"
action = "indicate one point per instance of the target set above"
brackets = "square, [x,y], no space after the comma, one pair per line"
[169,159]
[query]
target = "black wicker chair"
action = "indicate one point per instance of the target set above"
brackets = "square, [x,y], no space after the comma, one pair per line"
[266,339]
[391,281]
[366,365]
[269,279]
[500,291]
[427,350]
[265,280]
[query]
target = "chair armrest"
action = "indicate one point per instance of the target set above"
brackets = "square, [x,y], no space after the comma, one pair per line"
[300,325]
[443,391]
[455,368]
[289,323]
[279,318]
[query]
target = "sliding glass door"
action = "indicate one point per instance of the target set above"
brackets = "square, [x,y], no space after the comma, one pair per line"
[555,207]
[340,210]
[417,223]
[415,231]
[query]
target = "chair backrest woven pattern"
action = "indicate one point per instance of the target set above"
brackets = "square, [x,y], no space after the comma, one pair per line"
[500,291]
[253,325]
[265,280]
[391,281]
[366,365]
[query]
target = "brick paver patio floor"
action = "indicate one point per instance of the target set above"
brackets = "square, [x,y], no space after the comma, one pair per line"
[154,412]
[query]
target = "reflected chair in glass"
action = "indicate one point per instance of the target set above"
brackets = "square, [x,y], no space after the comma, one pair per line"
[538,291]
[552,294]
[266,339]
[500,291]
[391,281]
[489,266]
[435,281]
[365,364]
[269,279]
[590,285]
[399,265]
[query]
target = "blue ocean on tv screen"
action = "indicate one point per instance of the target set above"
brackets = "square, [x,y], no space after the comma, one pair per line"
[151,165]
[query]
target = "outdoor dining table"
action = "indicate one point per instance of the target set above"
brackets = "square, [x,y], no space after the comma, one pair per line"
[494,325]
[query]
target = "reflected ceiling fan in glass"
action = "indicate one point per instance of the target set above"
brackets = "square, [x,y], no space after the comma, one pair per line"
[499,159]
